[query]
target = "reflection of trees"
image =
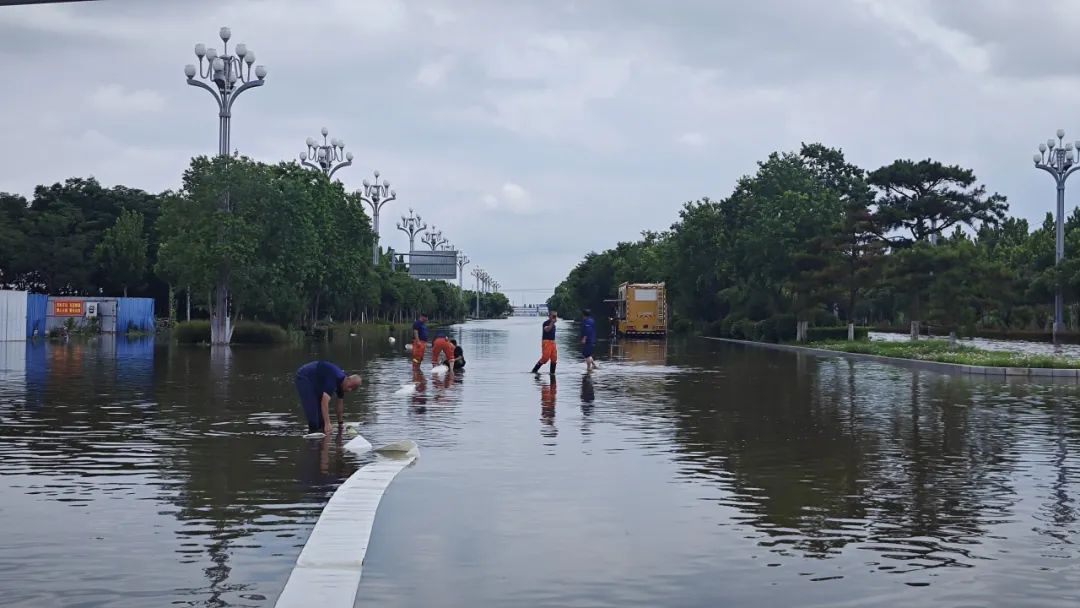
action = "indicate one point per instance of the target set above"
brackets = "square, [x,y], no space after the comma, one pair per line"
[231,490]
[823,453]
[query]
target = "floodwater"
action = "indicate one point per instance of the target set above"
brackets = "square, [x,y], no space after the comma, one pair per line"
[687,474]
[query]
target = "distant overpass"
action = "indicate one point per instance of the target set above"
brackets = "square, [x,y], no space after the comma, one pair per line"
[526,296]
[531,310]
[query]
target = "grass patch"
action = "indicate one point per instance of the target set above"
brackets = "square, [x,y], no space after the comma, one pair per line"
[940,352]
[245,332]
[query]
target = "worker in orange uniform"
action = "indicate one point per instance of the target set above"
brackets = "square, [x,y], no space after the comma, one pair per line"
[442,346]
[419,340]
[548,350]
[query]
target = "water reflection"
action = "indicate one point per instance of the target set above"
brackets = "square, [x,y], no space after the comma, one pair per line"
[713,475]
[548,397]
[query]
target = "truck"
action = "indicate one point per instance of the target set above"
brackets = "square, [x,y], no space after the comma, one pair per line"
[641,310]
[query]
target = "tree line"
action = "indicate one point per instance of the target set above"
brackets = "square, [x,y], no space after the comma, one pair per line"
[813,238]
[295,246]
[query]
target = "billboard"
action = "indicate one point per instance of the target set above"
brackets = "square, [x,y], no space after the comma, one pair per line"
[68,308]
[433,264]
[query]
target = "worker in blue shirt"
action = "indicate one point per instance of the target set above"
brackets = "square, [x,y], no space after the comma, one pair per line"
[316,382]
[588,339]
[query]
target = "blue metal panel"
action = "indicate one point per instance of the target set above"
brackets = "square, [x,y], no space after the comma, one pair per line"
[134,314]
[37,308]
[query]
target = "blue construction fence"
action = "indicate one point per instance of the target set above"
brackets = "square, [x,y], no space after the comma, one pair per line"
[37,309]
[134,314]
[131,314]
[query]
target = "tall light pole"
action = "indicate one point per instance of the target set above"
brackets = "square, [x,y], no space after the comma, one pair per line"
[412,226]
[433,239]
[225,77]
[376,195]
[1058,159]
[329,155]
[462,261]
[478,272]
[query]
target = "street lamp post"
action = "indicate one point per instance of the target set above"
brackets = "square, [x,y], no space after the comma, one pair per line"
[225,77]
[412,226]
[326,157]
[1058,159]
[433,238]
[228,77]
[376,195]
[478,273]
[462,261]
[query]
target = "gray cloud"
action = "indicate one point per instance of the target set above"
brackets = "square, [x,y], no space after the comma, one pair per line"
[532,133]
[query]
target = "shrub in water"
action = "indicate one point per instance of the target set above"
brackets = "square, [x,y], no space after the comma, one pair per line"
[254,332]
[245,332]
[192,332]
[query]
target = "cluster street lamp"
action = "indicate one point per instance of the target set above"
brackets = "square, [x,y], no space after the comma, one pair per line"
[433,238]
[326,157]
[462,261]
[412,226]
[225,77]
[1059,160]
[480,275]
[376,195]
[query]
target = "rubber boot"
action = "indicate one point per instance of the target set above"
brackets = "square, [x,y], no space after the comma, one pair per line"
[552,368]
[536,368]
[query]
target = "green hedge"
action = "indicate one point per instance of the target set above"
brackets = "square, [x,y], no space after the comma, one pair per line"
[778,328]
[245,332]
[821,334]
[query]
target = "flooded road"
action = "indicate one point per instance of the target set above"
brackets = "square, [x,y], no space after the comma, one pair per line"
[685,474]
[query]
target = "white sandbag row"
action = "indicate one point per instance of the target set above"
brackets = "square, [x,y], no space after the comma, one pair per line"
[327,573]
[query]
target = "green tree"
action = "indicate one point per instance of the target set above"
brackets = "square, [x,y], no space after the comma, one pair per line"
[918,202]
[121,254]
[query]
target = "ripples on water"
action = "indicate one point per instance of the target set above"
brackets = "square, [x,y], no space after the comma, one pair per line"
[687,474]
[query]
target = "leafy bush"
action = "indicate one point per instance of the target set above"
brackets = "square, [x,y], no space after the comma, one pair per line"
[245,332]
[820,334]
[192,332]
[777,328]
[744,329]
[254,332]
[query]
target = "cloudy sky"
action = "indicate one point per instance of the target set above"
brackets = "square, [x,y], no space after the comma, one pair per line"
[533,132]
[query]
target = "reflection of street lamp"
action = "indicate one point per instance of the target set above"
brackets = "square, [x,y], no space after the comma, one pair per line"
[1057,159]
[411,225]
[376,195]
[326,154]
[225,78]
[433,238]
[229,79]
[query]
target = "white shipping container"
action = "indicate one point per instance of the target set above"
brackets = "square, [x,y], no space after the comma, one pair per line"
[12,316]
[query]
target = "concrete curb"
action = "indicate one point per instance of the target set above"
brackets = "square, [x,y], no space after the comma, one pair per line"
[948,368]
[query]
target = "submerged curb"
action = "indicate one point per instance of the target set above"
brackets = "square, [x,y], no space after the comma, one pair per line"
[936,366]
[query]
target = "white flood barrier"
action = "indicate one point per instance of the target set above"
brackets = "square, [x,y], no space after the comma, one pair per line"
[327,573]
[406,389]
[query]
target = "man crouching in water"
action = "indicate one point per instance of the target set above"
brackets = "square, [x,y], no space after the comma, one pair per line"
[315,383]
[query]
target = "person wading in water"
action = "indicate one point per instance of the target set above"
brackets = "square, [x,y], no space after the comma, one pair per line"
[548,350]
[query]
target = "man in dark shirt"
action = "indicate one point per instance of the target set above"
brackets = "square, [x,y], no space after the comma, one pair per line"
[459,356]
[315,383]
[548,350]
[420,338]
[588,339]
